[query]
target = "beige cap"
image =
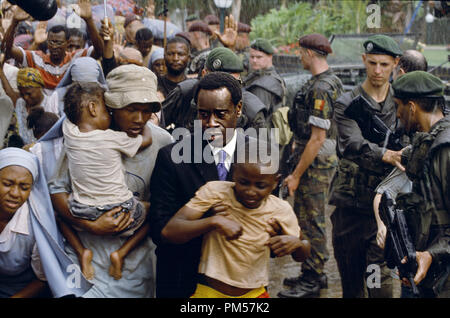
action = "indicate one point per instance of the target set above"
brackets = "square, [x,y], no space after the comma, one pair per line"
[129,84]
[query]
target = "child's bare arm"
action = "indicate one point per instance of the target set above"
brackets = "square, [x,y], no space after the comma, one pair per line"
[187,224]
[146,137]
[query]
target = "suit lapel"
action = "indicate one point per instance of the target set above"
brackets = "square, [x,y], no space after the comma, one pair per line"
[208,171]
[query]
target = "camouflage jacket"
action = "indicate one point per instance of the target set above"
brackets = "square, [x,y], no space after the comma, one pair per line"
[313,104]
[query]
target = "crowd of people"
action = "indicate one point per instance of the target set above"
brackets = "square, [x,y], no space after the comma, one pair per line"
[140,163]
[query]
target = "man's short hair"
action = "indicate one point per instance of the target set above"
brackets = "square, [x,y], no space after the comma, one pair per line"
[216,80]
[428,105]
[179,39]
[412,60]
[59,28]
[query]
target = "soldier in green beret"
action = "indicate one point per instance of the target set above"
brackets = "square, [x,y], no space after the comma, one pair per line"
[363,164]
[312,151]
[263,80]
[420,101]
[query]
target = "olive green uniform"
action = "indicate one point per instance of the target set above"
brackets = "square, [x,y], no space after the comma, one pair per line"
[313,105]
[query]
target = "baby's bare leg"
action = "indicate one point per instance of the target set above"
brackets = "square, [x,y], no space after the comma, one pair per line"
[84,255]
[115,269]
[117,257]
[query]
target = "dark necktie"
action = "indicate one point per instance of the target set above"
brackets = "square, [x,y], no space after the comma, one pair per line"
[221,169]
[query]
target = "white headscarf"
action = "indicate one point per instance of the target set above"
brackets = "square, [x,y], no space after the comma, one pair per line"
[58,267]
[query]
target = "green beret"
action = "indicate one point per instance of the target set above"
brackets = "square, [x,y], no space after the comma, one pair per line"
[262,45]
[191,17]
[382,44]
[224,60]
[418,84]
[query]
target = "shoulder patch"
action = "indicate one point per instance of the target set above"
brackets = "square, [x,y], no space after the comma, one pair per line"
[319,104]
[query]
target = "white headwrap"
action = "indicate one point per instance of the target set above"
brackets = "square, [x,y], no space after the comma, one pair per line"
[58,267]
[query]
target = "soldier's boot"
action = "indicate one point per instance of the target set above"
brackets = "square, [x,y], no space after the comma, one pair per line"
[293,281]
[308,286]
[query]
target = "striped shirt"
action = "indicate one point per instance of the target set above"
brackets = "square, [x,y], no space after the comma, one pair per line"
[51,73]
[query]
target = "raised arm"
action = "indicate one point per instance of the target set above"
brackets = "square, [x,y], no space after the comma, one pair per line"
[10,49]
[6,86]
[86,15]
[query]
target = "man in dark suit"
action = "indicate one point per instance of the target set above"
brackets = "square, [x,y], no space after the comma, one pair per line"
[183,167]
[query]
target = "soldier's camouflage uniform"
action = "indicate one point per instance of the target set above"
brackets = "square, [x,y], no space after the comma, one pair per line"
[313,105]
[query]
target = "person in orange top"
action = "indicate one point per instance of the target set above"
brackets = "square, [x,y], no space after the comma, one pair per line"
[54,64]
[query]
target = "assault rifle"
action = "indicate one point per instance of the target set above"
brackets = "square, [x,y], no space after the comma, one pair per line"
[372,127]
[398,241]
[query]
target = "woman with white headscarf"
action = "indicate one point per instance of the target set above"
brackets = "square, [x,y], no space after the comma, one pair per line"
[31,247]
[82,69]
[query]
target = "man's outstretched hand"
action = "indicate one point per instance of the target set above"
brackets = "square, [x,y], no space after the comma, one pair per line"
[229,36]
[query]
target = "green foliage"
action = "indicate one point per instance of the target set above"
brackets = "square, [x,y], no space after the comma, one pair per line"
[327,17]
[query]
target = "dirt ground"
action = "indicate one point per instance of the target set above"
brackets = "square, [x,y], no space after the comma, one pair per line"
[286,267]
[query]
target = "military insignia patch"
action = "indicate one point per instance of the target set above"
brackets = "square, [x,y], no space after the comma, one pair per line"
[217,64]
[369,46]
[319,104]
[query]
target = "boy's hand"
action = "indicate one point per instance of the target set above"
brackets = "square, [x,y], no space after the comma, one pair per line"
[282,245]
[274,227]
[227,227]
